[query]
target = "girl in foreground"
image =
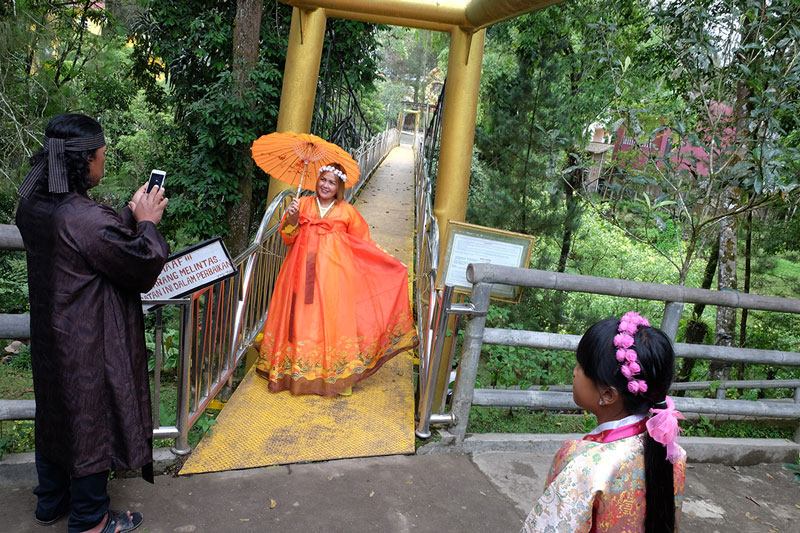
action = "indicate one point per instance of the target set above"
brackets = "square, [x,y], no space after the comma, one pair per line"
[627,475]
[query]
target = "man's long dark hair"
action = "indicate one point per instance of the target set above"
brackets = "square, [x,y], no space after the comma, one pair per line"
[597,356]
[76,163]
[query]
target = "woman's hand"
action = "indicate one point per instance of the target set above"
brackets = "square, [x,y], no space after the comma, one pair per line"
[149,206]
[293,212]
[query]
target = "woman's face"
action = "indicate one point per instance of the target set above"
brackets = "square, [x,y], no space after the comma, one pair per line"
[584,390]
[97,164]
[327,184]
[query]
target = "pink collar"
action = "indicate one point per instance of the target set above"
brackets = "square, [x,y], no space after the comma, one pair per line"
[618,429]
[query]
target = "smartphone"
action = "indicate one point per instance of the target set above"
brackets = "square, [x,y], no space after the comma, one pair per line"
[156,179]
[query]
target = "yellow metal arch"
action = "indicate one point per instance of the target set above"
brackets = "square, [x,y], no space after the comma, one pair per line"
[464,20]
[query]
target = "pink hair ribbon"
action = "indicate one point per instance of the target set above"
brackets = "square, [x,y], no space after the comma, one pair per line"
[663,427]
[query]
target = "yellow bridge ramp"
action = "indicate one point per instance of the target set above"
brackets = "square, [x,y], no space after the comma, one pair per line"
[260,428]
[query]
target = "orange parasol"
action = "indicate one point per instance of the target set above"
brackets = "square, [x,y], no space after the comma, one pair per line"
[288,157]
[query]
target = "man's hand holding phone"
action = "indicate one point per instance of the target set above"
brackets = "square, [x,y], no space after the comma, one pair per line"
[156,179]
[148,202]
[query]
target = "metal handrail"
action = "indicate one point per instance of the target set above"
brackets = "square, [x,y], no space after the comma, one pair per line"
[219,322]
[483,276]
[237,348]
[429,301]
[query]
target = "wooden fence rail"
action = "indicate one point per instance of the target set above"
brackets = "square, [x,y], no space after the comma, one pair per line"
[483,276]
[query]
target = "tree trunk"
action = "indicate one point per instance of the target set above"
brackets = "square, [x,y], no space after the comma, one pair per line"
[696,329]
[246,28]
[726,281]
[747,272]
[726,317]
[572,212]
[123,12]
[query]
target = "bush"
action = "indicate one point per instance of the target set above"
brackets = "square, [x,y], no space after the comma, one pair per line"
[13,283]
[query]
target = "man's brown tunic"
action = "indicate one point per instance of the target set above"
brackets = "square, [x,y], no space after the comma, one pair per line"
[87,266]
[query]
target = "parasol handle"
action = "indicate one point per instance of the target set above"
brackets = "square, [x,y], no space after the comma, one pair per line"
[302,176]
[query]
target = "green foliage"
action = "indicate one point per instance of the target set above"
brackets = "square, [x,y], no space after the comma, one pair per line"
[206,147]
[497,420]
[16,436]
[795,469]
[511,366]
[16,379]
[732,429]
[170,353]
[723,90]
[20,363]
[203,146]
[51,63]
[13,283]
[167,416]
[204,424]
[411,61]
[543,84]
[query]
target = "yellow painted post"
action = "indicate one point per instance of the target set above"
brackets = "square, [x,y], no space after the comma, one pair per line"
[455,152]
[300,74]
[458,127]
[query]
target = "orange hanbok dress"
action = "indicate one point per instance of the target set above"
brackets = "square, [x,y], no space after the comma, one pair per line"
[340,308]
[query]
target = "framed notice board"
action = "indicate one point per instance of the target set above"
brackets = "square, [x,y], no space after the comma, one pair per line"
[192,269]
[467,243]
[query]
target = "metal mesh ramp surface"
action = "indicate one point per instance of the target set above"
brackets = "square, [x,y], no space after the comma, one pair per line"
[260,428]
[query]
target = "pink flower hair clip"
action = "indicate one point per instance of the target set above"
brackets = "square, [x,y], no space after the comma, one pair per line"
[623,341]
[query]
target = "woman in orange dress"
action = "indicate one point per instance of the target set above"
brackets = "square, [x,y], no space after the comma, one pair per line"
[340,308]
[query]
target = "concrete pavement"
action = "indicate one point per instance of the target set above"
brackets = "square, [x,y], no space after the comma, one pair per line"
[483,491]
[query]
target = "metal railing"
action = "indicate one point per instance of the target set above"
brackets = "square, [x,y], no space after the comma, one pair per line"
[222,320]
[483,276]
[217,324]
[369,155]
[430,302]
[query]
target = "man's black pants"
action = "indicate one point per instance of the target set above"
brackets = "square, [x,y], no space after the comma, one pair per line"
[86,498]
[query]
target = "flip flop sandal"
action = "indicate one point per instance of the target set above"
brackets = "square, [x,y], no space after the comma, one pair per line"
[120,518]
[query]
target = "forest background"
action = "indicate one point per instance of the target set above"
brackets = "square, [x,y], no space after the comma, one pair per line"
[188,85]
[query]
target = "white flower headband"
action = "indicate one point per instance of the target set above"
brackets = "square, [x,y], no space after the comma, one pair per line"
[335,171]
